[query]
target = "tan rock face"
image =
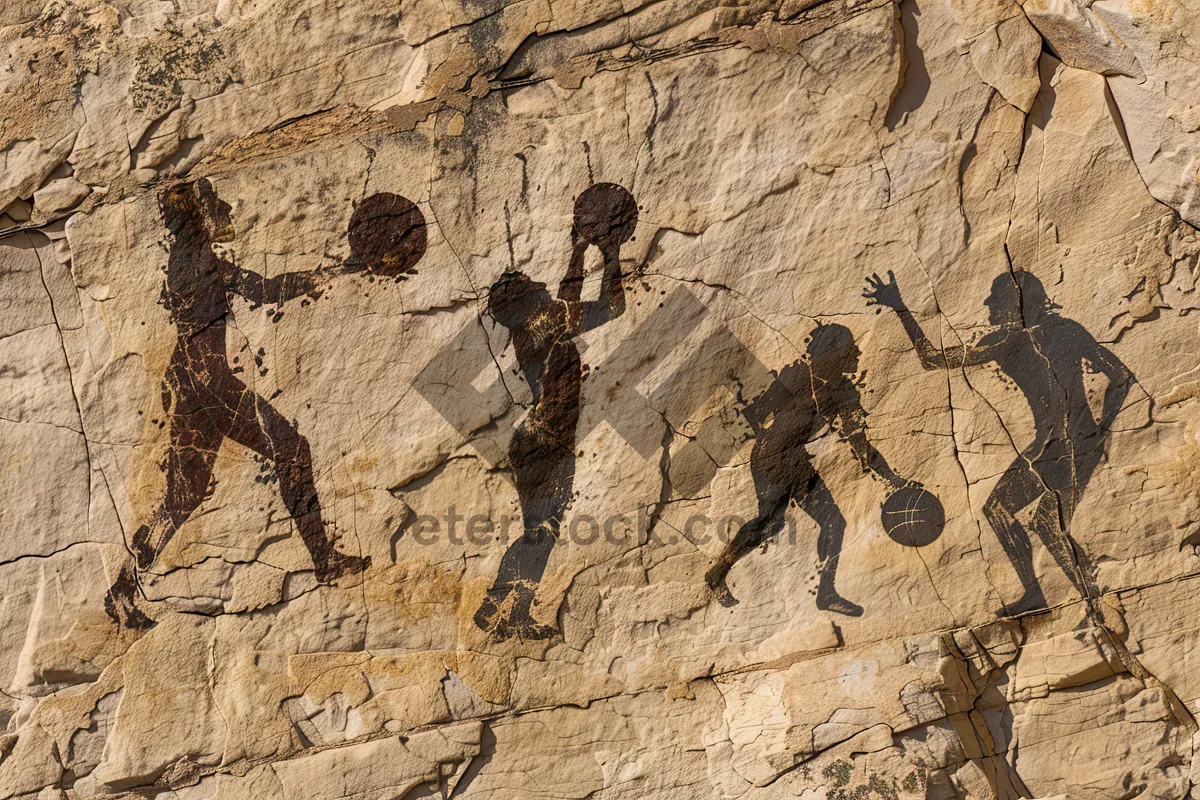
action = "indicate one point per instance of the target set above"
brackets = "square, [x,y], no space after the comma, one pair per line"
[620,400]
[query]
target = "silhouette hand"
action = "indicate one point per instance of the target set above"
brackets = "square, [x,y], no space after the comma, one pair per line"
[883,292]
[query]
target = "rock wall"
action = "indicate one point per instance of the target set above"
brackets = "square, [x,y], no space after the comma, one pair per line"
[564,399]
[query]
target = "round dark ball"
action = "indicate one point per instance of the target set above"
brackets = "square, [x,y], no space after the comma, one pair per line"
[913,516]
[605,215]
[387,234]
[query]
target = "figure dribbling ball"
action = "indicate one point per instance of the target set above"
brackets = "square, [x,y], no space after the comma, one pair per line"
[387,235]
[913,516]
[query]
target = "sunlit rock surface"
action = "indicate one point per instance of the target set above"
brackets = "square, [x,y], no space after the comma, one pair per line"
[843,350]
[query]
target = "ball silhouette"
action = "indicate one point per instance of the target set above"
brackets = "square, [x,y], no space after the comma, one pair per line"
[913,516]
[605,215]
[387,234]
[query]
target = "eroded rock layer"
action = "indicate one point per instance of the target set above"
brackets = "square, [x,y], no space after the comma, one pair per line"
[563,399]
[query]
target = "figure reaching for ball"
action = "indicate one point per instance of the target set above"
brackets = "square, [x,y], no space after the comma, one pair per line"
[1044,353]
[792,412]
[542,452]
[207,403]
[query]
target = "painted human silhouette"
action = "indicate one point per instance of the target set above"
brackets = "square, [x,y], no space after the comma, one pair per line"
[793,411]
[542,451]
[1043,353]
[208,403]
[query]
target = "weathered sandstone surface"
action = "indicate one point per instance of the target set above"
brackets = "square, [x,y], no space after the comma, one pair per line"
[894,302]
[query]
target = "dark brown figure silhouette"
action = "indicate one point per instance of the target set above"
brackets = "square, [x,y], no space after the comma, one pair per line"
[1043,353]
[208,403]
[542,452]
[807,395]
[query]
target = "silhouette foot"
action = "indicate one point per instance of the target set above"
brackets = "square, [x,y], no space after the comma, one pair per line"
[724,596]
[143,551]
[120,606]
[517,621]
[339,564]
[489,609]
[523,628]
[715,578]
[1032,600]
[832,601]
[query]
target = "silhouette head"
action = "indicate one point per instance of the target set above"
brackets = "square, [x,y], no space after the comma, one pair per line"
[387,234]
[195,205]
[832,352]
[1017,296]
[515,297]
[605,215]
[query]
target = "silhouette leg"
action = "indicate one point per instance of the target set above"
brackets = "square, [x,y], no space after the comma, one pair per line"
[521,569]
[195,439]
[1067,475]
[120,603]
[772,506]
[1064,467]
[544,478]
[264,430]
[1046,523]
[189,464]
[1017,488]
[819,504]
[1088,453]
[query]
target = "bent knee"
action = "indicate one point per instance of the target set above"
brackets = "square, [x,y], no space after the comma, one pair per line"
[996,509]
[290,445]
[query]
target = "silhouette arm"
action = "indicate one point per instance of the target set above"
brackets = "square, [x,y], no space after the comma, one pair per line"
[983,351]
[1119,378]
[278,290]
[571,288]
[884,292]
[611,303]
[850,424]
[931,357]
[948,358]
[766,404]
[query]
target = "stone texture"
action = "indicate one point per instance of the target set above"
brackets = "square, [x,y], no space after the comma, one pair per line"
[778,155]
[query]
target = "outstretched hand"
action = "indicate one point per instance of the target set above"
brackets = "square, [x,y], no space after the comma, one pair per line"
[883,292]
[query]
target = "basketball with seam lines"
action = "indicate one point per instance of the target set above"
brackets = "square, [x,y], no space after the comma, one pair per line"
[913,516]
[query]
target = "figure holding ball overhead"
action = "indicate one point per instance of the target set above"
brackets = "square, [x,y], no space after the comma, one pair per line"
[793,411]
[206,403]
[542,451]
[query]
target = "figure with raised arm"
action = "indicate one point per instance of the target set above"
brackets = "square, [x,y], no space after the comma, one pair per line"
[807,395]
[207,403]
[542,451]
[1043,353]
